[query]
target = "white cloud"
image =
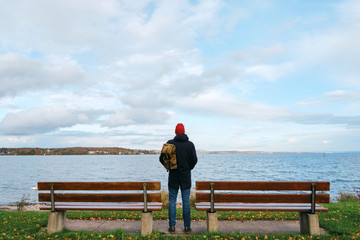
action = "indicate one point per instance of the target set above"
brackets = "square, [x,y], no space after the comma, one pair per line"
[88,98]
[257,55]
[57,26]
[332,97]
[46,119]
[325,119]
[335,50]
[19,74]
[110,28]
[168,77]
[123,37]
[129,116]
[217,103]
[292,140]
[269,72]
[17,140]
[342,95]
[286,26]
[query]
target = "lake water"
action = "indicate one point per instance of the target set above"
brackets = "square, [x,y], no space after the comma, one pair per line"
[19,174]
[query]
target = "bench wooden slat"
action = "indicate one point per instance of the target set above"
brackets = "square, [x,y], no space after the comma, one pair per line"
[88,197]
[262,186]
[301,205]
[261,198]
[98,186]
[259,207]
[102,203]
[103,206]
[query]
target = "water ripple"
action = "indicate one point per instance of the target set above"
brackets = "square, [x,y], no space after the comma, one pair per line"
[19,174]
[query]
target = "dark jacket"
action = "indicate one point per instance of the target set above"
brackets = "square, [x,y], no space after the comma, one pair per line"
[186,160]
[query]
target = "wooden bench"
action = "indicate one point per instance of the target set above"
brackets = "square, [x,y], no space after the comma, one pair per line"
[302,197]
[99,196]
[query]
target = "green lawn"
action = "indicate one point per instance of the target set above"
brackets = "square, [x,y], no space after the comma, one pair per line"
[342,222]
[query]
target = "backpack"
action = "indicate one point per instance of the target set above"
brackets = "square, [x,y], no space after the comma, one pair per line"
[168,152]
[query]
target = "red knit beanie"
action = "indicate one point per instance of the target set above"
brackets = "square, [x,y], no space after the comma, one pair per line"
[179,129]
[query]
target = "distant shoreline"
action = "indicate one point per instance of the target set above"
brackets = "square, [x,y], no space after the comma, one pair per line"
[119,151]
[258,152]
[75,151]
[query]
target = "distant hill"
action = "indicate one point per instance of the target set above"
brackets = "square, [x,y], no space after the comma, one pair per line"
[74,151]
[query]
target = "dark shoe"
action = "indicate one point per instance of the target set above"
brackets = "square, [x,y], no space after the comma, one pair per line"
[172,230]
[187,230]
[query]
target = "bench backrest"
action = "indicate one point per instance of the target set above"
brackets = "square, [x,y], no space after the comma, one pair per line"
[286,192]
[119,192]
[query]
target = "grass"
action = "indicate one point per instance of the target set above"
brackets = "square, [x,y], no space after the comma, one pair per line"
[342,222]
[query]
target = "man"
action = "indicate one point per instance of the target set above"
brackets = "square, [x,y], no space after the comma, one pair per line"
[181,177]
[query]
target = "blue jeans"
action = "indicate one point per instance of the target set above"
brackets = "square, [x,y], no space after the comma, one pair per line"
[185,195]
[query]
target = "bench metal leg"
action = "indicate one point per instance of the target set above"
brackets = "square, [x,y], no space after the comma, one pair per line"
[309,223]
[212,222]
[56,221]
[146,223]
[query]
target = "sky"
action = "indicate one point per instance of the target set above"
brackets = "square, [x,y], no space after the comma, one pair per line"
[244,75]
